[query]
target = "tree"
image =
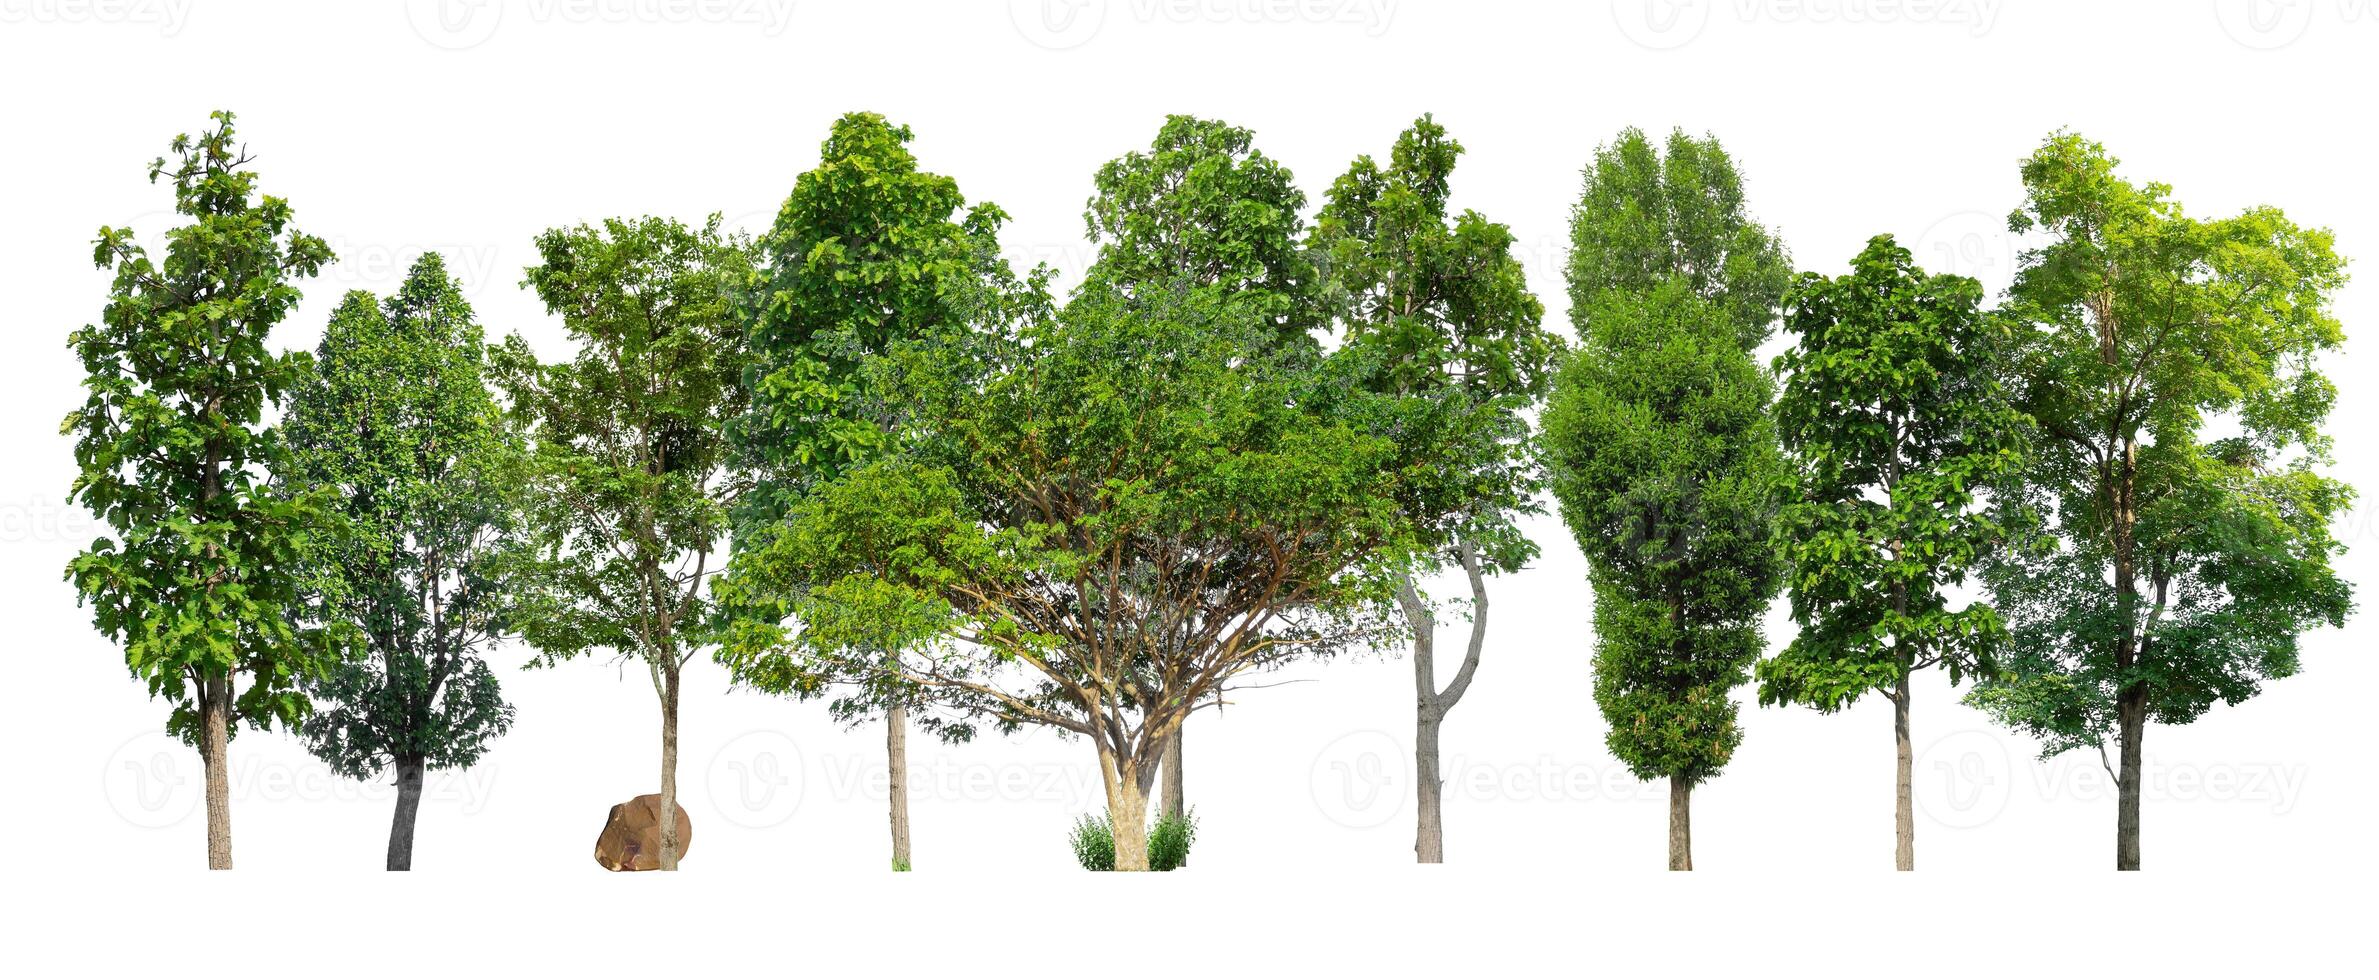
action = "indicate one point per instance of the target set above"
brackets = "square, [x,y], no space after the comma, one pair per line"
[1203,209]
[631,494]
[399,424]
[1440,316]
[1119,515]
[868,253]
[1897,422]
[200,579]
[2184,567]
[1661,451]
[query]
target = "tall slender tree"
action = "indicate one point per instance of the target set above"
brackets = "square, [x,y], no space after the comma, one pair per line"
[628,465]
[398,422]
[869,253]
[1662,453]
[1897,422]
[1440,315]
[201,576]
[2184,566]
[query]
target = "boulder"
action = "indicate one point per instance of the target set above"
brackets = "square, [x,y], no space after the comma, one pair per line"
[631,838]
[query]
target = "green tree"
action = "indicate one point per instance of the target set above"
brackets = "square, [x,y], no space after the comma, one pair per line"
[2185,566]
[1119,515]
[1897,423]
[868,254]
[399,424]
[1662,453]
[628,472]
[1439,315]
[201,576]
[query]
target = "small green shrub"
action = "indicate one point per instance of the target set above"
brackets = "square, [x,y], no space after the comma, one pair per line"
[1169,841]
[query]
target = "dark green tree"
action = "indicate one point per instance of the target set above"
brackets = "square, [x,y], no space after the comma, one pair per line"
[398,423]
[2185,563]
[628,475]
[1661,451]
[1897,423]
[867,255]
[1438,316]
[200,577]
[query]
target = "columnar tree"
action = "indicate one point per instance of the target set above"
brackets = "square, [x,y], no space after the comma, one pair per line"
[2186,563]
[201,576]
[868,253]
[1120,515]
[1896,420]
[628,468]
[1438,316]
[399,424]
[1662,453]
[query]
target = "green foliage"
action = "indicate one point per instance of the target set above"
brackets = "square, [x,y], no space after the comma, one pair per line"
[2184,567]
[1169,840]
[1093,839]
[1894,413]
[629,496]
[398,425]
[1661,451]
[200,578]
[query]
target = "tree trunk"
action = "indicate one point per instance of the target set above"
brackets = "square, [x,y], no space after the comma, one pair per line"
[1429,838]
[1170,799]
[1680,824]
[214,749]
[896,757]
[669,845]
[2131,710]
[1127,810]
[1904,788]
[408,807]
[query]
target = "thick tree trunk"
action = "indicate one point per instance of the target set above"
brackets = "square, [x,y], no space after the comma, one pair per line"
[1127,810]
[408,807]
[896,757]
[1429,838]
[1680,824]
[1904,784]
[2131,711]
[669,844]
[214,750]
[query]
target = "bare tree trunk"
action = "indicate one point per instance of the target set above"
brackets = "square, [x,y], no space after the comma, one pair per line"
[896,756]
[1429,839]
[1680,824]
[669,842]
[1904,788]
[2131,710]
[408,808]
[1127,809]
[214,750]
[1170,800]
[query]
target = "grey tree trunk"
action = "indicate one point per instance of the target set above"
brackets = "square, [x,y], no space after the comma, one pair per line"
[1429,839]
[214,749]
[1170,799]
[2131,710]
[1431,704]
[669,841]
[409,773]
[896,757]
[1680,824]
[1904,789]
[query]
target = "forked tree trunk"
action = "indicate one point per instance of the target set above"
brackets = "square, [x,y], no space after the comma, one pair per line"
[1904,788]
[2131,710]
[214,749]
[1127,809]
[409,772]
[1680,824]
[896,758]
[1430,705]
[669,845]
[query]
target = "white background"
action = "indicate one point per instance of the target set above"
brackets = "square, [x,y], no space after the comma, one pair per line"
[468,127]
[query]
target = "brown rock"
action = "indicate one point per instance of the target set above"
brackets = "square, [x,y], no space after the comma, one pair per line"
[631,838]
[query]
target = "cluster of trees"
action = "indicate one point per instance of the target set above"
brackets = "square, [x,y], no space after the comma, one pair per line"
[862,458]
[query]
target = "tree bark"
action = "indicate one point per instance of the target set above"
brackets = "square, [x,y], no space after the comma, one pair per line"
[214,750]
[2131,710]
[896,757]
[1904,788]
[1127,810]
[669,841]
[1429,838]
[408,808]
[1170,801]
[2131,704]
[1680,824]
